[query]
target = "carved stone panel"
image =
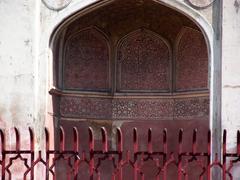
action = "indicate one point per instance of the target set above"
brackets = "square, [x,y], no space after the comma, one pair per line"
[86,65]
[192,61]
[143,109]
[191,108]
[143,63]
[100,108]
[135,108]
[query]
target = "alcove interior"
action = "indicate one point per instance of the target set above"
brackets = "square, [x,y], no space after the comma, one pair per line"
[131,63]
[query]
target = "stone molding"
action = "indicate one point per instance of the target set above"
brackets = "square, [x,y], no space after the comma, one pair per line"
[56,5]
[200,4]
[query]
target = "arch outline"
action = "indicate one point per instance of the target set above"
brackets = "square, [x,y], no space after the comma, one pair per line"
[153,34]
[79,8]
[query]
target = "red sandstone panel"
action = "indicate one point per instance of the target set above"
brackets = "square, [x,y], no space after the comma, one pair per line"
[135,109]
[191,108]
[86,64]
[192,61]
[129,108]
[143,63]
[100,108]
[105,166]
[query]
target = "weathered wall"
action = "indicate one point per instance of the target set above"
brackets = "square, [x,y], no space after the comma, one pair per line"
[51,19]
[25,57]
[26,60]
[230,69]
[18,59]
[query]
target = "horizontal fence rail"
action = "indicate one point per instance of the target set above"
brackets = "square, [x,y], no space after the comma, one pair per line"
[112,159]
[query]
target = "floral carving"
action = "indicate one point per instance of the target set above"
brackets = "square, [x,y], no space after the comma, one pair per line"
[135,109]
[143,63]
[192,61]
[87,61]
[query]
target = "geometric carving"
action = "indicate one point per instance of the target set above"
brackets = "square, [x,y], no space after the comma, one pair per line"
[191,61]
[135,108]
[86,63]
[191,108]
[143,63]
[142,109]
[86,107]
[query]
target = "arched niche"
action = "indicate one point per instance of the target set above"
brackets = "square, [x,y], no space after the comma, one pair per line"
[86,64]
[127,58]
[162,105]
[143,63]
[191,61]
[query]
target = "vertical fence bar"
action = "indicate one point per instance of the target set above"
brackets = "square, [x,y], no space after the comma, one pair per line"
[47,153]
[238,143]
[120,152]
[18,143]
[165,151]
[224,153]
[104,140]
[75,139]
[194,143]
[2,135]
[76,149]
[209,139]
[31,133]
[135,149]
[91,151]
[180,139]
[62,139]
[150,148]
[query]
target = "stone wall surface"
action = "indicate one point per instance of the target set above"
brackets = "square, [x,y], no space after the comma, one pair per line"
[26,64]
[18,59]
[26,73]
[230,70]
[18,56]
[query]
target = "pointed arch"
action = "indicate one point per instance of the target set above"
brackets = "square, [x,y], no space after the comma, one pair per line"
[86,50]
[153,65]
[80,8]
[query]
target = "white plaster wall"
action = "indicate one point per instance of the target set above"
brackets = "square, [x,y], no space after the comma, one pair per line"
[231,74]
[17,63]
[231,70]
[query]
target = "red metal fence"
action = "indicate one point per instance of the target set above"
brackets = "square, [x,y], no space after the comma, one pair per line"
[122,163]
